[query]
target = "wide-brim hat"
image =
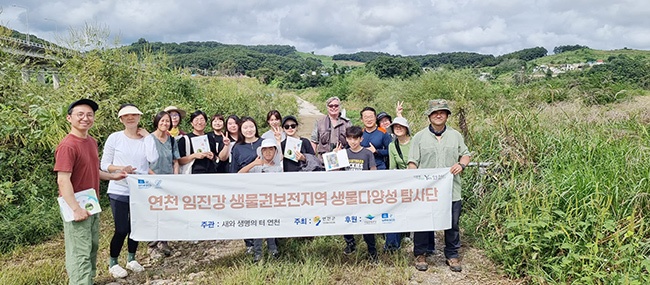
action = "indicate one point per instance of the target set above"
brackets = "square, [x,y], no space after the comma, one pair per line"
[128,110]
[266,143]
[402,122]
[88,102]
[437,105]
[175,109]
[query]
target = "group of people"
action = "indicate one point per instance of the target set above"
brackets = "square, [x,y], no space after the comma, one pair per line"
[384,143]
[235,146]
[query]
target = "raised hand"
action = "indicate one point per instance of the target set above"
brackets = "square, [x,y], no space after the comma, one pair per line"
[399,108]
[338,147]
[277,133]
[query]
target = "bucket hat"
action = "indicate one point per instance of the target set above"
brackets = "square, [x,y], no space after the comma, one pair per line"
[437,105]
[402,122]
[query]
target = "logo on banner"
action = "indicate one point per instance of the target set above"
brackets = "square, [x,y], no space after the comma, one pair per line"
[317,221]
[429,177]
[327,220]
[146,184]
[369,220]
[387,218]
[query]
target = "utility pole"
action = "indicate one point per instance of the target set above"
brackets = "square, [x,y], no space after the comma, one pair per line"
[26,18]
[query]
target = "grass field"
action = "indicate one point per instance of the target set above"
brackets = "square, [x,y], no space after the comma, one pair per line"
[328,61]
[586,55]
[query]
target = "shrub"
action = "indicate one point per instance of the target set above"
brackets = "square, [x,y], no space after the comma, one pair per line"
[34,123]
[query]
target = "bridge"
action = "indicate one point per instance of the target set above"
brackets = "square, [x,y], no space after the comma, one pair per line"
[45,59]
[34,50]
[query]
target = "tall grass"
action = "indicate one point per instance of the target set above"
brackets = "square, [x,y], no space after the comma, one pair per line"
[566,197]
[34,123]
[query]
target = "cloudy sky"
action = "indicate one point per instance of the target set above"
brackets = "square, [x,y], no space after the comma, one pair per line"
[405,27]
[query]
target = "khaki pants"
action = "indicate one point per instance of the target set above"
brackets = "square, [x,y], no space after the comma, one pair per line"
[81,245]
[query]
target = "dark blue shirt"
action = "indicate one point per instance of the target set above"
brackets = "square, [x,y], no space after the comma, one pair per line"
[243,154]
[380,139]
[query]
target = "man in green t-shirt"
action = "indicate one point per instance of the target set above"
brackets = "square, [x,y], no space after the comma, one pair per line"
[440,146]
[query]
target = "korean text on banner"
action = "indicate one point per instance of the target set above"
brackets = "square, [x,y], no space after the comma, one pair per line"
[257,205]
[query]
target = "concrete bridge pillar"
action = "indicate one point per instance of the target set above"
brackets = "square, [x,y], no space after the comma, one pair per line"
[26,74]
[41,76]
[55,80]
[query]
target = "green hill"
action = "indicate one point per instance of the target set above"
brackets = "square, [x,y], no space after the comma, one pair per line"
[589,55]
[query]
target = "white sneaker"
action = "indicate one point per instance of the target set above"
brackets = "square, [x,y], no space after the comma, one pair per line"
[134,266]
[117,271]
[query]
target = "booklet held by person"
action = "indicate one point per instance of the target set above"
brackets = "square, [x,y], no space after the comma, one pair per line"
[292,146]
[200,144]
[87,199]
[336,160]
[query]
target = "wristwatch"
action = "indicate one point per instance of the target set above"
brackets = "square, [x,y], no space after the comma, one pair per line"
[462,165]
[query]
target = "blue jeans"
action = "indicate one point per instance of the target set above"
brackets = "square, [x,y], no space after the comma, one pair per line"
[424,242]
[393,241]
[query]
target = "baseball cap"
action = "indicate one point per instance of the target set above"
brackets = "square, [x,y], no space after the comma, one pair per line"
[290,117]
[382,115]
[88,102]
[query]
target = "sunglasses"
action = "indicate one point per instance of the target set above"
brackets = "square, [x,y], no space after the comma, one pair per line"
[333,106]
[290,126]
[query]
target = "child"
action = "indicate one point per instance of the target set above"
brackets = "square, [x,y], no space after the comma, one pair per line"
[360,159]
[268,160]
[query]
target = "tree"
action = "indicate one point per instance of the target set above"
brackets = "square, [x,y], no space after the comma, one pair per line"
[386,67]
[561,49]
[362,56]
[264,75]
[228,67]
[526,54]
[313,64]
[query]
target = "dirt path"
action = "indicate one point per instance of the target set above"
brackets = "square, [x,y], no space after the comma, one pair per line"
[307,114]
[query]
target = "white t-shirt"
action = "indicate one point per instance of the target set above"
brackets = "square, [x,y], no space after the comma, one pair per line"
[121,150]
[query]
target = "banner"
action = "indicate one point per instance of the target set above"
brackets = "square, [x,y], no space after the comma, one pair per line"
[291,204]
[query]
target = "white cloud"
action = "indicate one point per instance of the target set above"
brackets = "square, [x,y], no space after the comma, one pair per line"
[345,26]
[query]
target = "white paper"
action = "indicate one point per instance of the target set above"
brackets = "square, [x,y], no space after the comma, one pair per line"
[200,144]
[292,145]
[87,199]
[336,160]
